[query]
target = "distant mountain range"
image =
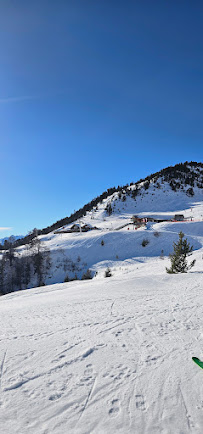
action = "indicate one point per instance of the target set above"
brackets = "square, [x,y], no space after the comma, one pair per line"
[16,237]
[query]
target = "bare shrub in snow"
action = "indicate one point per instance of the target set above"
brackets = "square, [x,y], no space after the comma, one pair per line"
[145,242]
[162,254]
[66,278]
[74,278]
[190,192]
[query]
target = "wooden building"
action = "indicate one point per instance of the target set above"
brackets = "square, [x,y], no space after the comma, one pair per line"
[179,217]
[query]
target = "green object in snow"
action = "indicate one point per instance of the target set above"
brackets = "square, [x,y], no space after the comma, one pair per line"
[199,363]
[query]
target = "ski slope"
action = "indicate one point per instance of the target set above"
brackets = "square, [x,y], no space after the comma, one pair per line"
[115,239]
[109,355]
[105,356]
[118,246]
[160,202]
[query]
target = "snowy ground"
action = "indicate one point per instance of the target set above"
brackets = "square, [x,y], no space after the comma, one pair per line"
[118,246]
[126,243]
[105,356]
[112,355]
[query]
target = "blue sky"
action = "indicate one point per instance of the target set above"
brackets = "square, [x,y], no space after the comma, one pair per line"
[93,94]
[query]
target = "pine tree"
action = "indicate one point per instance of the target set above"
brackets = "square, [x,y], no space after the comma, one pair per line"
[87,275]
[181,250]
[108,272]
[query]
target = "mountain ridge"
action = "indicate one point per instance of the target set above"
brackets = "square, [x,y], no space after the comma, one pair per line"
[133,222]
[187,174]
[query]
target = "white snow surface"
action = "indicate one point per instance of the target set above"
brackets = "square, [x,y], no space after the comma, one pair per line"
[105,356]
[109,355]
[121,243]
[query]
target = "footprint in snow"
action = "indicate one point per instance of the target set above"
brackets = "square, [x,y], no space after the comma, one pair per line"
[118,333]
[140,402]
[114,410]
[151,360]
[88,370]
[200,406]
[55,396]
[87,378]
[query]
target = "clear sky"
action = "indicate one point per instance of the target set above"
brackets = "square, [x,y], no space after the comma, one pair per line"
[93,93]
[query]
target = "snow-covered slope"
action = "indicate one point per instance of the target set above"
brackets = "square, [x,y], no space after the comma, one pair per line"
[118,246]
[106,355]
[109,355]
[115,238]
[120,239]
[159,201]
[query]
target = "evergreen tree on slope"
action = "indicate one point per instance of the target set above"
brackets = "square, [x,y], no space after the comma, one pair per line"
[181,250]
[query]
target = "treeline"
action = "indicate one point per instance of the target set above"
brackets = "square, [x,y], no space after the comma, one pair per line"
[182,172]
[35,265]
[178,176]
[18,270]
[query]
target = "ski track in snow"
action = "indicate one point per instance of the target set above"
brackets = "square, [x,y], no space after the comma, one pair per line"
[82,362]
[112,355]
[1,373]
